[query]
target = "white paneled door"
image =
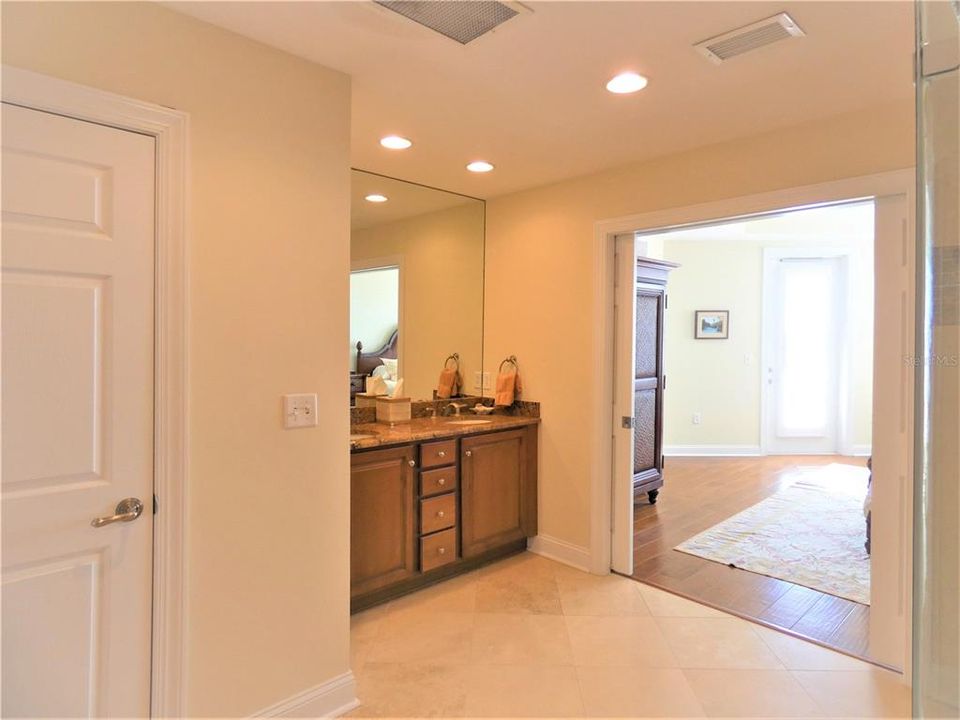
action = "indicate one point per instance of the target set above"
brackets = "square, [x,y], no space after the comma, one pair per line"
[77,383]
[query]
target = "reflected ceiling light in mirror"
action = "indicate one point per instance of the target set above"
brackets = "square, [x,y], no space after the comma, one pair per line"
[395,142]
[626,83]
[479,166]
[376,198]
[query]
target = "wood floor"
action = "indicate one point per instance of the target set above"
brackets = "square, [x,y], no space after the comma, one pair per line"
[699,493]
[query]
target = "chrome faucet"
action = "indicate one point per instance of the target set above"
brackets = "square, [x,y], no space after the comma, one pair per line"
[456,409]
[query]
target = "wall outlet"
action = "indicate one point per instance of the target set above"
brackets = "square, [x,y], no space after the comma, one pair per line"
[300,410]
[697,419]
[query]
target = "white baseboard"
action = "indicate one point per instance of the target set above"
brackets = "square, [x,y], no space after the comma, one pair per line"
[561,551]
[861,450]
[333,698]
[712,451]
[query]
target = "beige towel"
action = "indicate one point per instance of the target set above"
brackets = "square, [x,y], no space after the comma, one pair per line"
[509,388]
[449,383]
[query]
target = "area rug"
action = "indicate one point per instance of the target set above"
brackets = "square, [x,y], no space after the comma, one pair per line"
[811,533]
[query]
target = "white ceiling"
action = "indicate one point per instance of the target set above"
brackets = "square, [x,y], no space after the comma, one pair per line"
[530,97]
[404,200]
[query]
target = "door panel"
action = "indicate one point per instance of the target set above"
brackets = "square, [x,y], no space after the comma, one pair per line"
[805,321]
[382,518]
[494,482]
[647,383]
[77,315]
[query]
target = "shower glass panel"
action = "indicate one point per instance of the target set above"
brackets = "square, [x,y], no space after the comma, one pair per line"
[936,614]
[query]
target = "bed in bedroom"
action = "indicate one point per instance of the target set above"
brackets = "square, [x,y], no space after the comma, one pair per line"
[377,361]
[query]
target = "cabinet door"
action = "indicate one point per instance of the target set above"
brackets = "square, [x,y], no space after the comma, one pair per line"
[382,519]
[648,387]
[498,493]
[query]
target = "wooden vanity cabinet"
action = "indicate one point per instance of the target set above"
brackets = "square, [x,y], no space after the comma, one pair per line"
[383,518]
[427,511]
[498,489]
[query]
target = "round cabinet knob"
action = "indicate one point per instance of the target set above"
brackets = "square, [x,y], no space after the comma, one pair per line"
[469,453]
[441,454]
[440,513]
[442,551]
[441,482]
[411,463]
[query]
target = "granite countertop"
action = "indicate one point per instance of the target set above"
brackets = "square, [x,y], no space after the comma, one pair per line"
[382,435]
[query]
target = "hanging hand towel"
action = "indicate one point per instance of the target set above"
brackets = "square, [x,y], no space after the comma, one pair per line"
[509,388]
[449,384]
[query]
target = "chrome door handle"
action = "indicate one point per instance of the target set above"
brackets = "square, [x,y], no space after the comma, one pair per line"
[127,510]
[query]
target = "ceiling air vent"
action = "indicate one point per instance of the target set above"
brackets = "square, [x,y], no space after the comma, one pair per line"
[462,20]
[750,37]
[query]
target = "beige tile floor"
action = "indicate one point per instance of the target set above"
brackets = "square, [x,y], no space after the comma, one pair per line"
[528,637]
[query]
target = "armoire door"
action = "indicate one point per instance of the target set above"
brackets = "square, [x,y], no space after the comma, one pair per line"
[648,390]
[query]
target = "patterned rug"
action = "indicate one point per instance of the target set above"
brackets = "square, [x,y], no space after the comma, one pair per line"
[810,533]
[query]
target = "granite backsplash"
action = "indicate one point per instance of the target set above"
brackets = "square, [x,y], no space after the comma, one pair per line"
[423,408]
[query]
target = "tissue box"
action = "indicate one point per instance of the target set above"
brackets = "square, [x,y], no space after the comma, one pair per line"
[365,400]
[393,410]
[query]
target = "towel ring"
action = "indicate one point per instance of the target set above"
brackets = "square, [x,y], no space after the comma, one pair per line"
[456,359]
[512,360]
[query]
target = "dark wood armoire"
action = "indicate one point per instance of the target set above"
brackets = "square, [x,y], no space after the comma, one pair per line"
[649,378]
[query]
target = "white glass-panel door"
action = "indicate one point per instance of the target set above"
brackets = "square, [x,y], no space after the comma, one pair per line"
[805,323]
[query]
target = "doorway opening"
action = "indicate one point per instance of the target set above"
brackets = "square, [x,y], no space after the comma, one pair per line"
[376,303]
[768,345]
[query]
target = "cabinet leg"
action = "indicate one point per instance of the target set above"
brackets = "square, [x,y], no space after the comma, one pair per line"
[652,496]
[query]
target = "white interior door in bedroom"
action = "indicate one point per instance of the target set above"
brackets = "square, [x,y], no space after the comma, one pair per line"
[78,417]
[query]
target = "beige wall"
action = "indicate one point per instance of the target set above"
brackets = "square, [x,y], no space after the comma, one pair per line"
[441,287]
[540,267]
[268,575]
[722,267]
[728,275]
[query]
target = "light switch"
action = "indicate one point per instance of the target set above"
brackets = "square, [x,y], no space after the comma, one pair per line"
[478,380]
[300,410]
[487,382]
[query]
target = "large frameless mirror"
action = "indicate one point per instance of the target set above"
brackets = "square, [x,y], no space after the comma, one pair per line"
[416,287]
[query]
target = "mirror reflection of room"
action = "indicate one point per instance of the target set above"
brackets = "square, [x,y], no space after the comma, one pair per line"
[416,290]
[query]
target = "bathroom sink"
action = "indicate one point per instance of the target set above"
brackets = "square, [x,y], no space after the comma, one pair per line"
[361,436]
[469,422]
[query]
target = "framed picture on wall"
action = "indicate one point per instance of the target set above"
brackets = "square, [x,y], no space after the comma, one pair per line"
[712,324]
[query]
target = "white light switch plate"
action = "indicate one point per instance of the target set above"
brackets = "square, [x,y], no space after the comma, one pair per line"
[487,382]
[300,410]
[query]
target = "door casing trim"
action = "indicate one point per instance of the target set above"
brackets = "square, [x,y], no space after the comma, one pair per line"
[170,129]
[895,183]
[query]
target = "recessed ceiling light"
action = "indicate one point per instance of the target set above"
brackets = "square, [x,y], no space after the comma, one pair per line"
[479,166]
[376,198]
[625,83]
[395,142]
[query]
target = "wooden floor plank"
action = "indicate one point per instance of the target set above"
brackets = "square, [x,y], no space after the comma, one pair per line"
[701,492]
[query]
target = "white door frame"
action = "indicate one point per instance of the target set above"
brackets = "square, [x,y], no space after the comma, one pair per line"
[170,129]
[898,185]
[844,426]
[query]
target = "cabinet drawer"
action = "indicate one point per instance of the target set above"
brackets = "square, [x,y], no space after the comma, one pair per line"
[434,482]
[438,453]
[438,549]
[438,513]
